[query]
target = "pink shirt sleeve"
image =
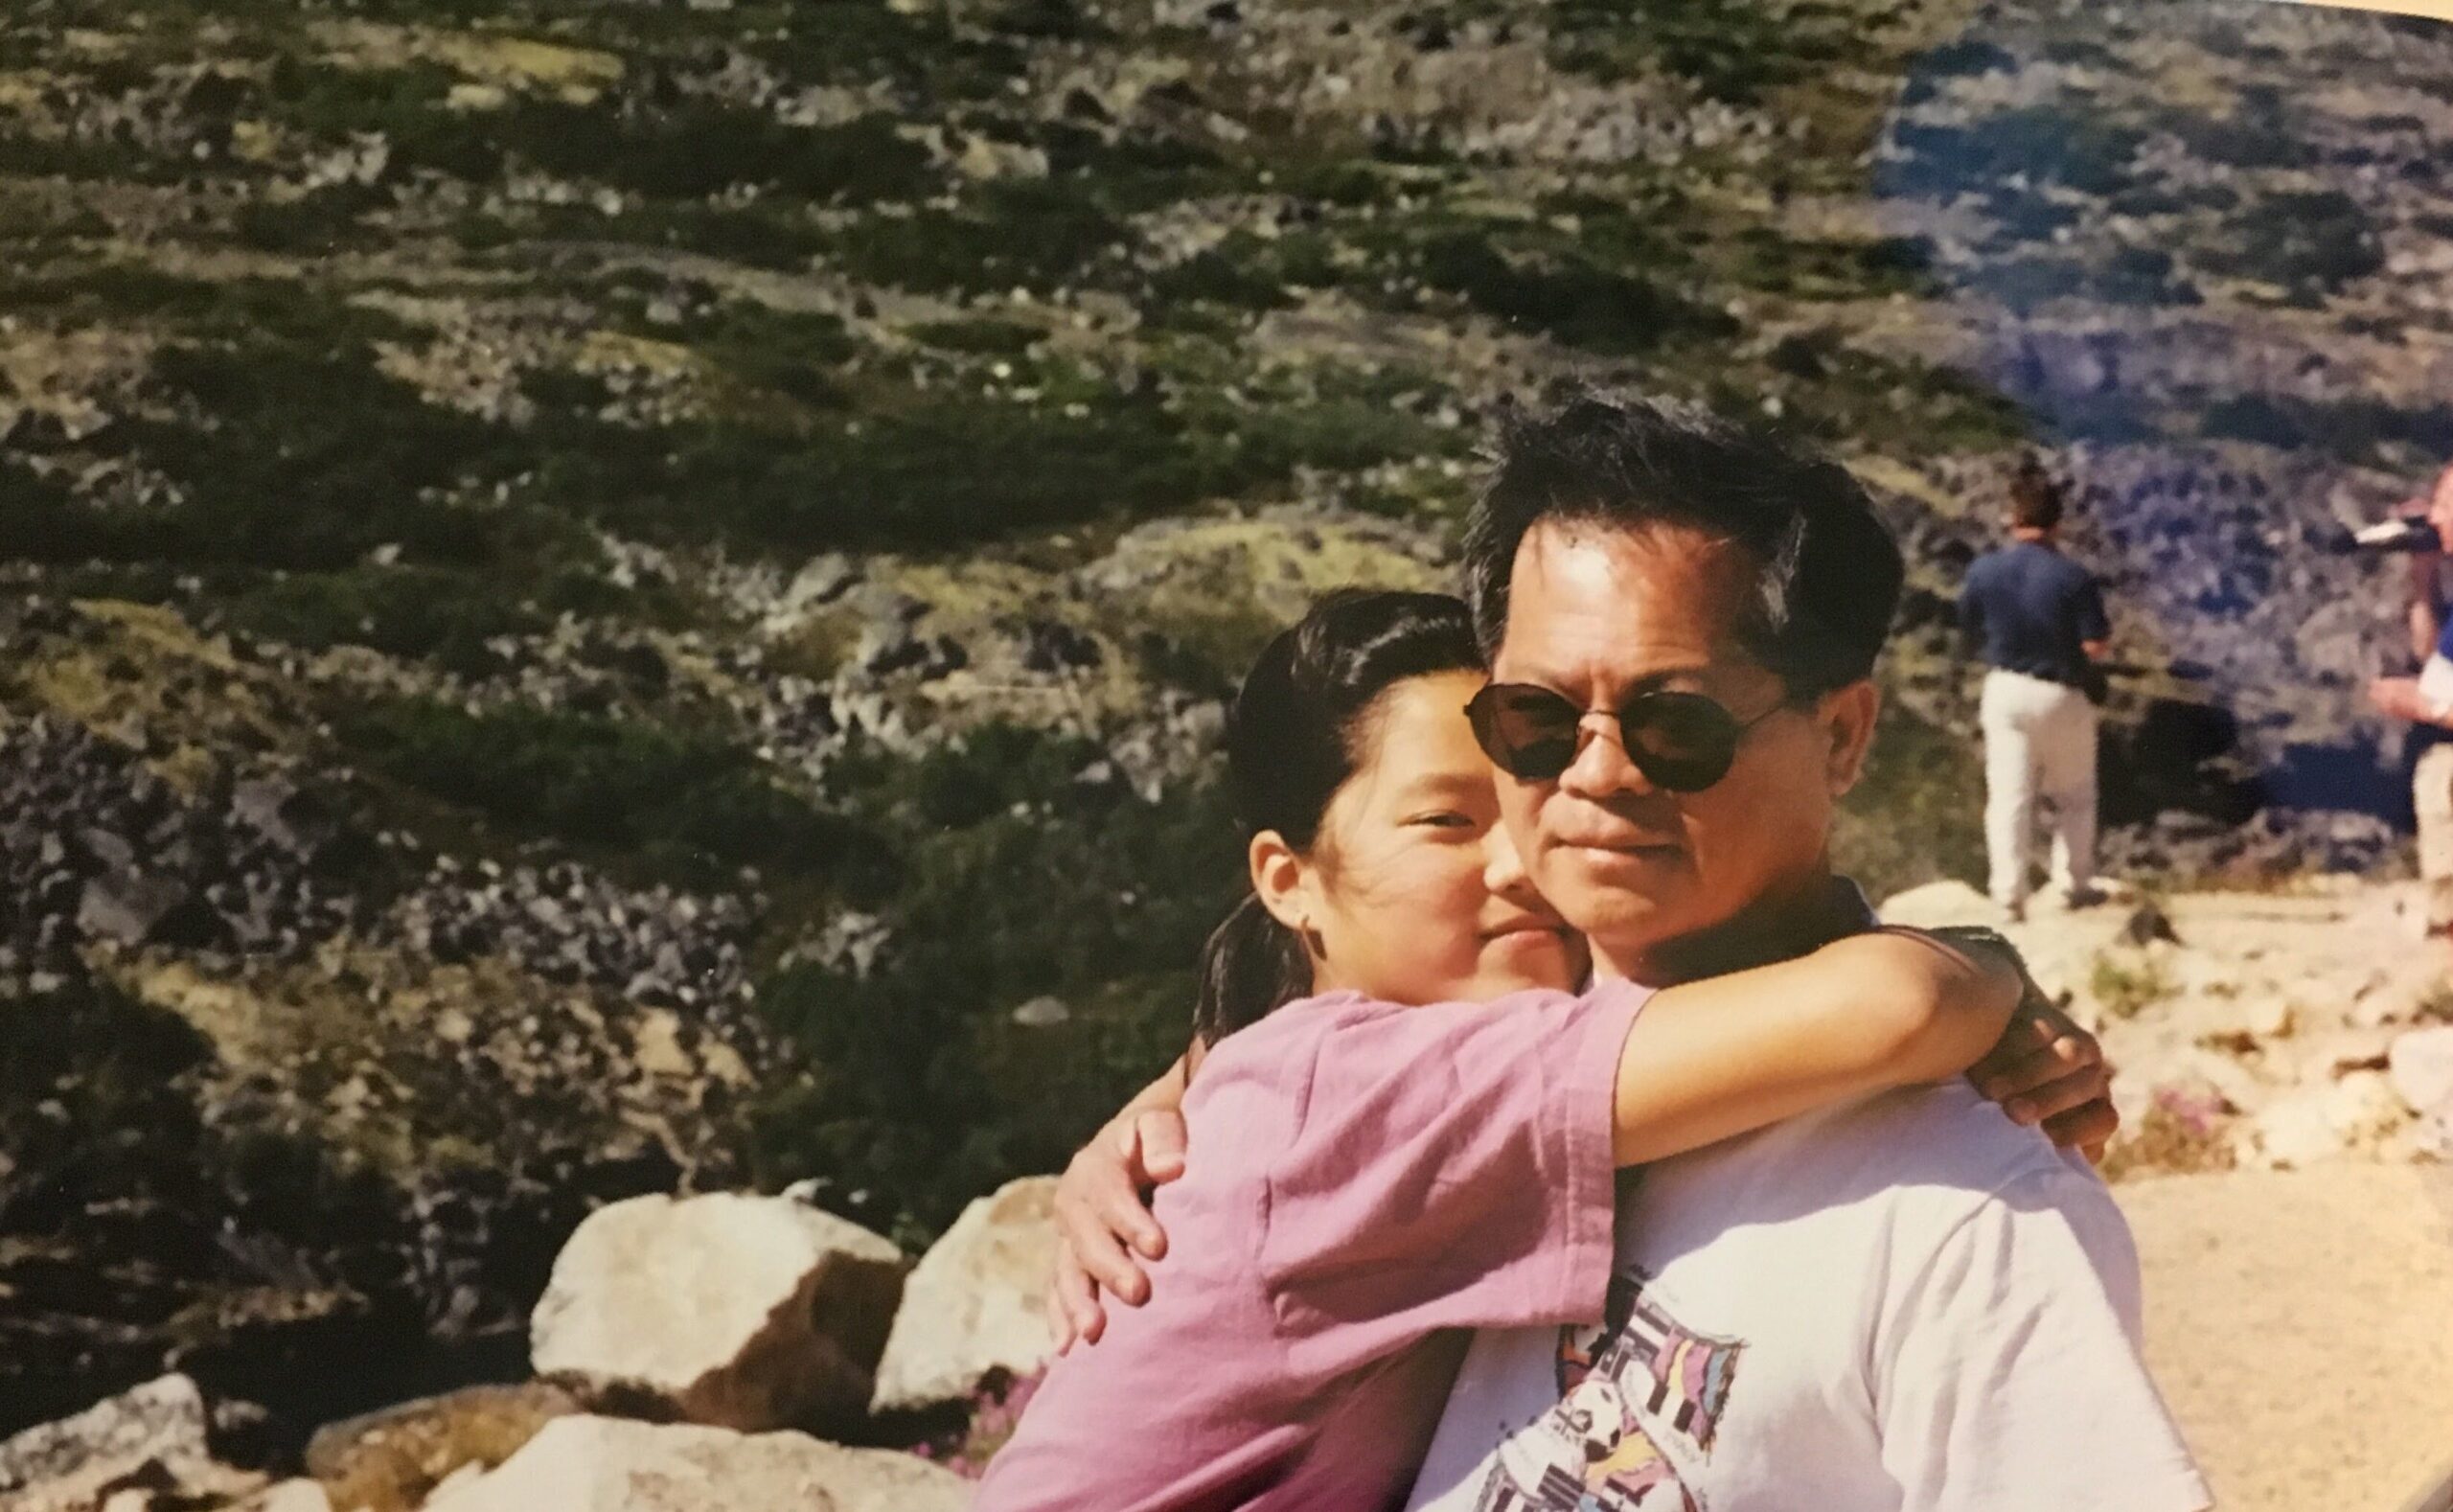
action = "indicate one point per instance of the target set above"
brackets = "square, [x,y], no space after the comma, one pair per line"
[1451,1167]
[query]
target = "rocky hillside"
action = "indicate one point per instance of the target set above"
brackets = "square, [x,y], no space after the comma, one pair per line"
[610,596]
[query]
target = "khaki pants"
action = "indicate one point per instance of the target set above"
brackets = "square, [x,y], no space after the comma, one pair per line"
[2039,744]
[2432,795]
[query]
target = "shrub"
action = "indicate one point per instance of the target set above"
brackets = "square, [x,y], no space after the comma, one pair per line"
[944,470]
[2180,1134]
[689,805]
[414,612]
[2047,144]
[1037,235]
[1566,298]
[1918,814]
[698,148]
[2126,989]
[310,459]
[918,1091]
[322,221]
[2321,239]
[1735,50]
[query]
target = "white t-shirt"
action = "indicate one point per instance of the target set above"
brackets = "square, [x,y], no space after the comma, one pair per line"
[1906,1305]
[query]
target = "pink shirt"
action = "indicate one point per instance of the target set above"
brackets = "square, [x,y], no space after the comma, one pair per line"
[1367,1176]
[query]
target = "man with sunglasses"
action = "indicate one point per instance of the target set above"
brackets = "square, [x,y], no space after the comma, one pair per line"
[1907,1303]
[1911,1302]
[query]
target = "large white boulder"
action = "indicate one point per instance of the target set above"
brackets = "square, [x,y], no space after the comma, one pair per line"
[976,1305]
[153,1434]
[602,1464]
[738,1311]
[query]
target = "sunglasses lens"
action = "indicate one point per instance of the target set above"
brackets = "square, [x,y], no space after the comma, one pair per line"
[1525,731]
[1681,740]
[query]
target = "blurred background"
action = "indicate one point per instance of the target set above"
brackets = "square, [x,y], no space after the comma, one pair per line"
[601,597]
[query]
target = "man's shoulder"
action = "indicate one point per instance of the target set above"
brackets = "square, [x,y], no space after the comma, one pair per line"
[1943,1151]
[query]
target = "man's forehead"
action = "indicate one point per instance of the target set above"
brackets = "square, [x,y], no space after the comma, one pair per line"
[1653,600]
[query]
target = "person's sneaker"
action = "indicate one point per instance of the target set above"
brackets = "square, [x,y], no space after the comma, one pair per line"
[2084,897]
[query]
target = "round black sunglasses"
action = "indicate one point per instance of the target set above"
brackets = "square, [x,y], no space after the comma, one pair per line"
[1681,742]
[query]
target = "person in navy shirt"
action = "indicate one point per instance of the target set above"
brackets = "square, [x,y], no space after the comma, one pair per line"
[2038,620]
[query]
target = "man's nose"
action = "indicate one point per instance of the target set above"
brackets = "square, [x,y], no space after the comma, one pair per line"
[1601,769]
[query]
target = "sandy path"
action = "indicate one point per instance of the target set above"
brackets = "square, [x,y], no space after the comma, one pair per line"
[2301,1325]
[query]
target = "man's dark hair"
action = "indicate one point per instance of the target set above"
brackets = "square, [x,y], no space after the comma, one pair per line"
[2035,499]
[1829,572]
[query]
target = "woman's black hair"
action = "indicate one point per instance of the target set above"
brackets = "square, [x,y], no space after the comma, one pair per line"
[1296,733]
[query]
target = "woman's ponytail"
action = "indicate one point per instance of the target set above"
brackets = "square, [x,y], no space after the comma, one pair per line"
[1252,965]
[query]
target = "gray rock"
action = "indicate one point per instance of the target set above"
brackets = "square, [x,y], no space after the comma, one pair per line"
[140,908]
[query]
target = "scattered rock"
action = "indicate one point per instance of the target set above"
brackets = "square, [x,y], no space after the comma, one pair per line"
[135,908]
[974,1304]
[600,1464]
[2297,1131]
[2357,1114]
[1042,1013]
[733,1309]
[2147,924]
[2422,1068]
[393,1460]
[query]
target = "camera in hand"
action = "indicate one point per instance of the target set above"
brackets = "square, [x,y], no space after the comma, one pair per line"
[2402,533]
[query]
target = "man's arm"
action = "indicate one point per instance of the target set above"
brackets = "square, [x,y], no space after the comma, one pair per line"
[2094,625]
[2007,1372]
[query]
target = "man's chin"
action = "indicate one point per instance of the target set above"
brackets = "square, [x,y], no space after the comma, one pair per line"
[1604,894]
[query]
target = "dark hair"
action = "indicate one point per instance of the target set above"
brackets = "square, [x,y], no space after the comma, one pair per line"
[1829,571]
[1297,733]
[2035,499]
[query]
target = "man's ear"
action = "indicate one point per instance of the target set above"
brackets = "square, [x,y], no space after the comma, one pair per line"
[1281,881]
[1849,714]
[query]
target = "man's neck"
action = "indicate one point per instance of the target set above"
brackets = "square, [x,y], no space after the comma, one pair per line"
[1791,922]
[2028,537]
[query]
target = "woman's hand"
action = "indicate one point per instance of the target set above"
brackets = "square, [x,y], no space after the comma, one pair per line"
[1103,1207]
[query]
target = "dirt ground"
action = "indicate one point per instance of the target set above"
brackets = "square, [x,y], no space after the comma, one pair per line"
[2301,1324]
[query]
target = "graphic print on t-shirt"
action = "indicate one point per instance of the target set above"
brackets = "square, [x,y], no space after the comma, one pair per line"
[1636,1394]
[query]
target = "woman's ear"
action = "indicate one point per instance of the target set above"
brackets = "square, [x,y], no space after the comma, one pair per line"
[1848,716]
[1281,881]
